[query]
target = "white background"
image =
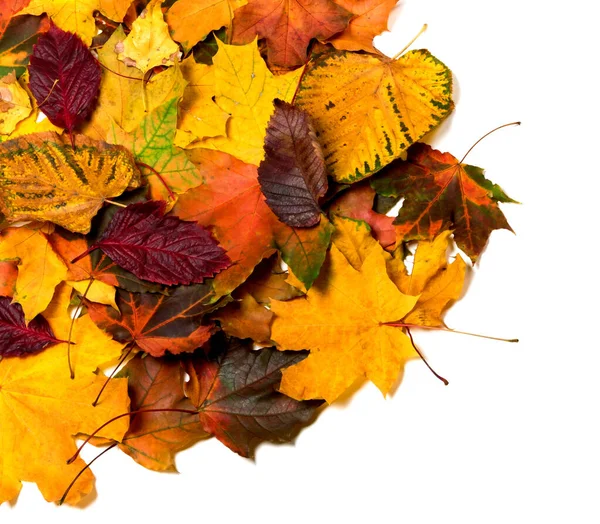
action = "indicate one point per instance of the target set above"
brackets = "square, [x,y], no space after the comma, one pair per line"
[514,438]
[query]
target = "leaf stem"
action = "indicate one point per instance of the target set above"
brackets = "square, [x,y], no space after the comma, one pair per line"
[444,328]
[118,74]
[87,466]
[109,378]
[487,134]
[114,203]
[398,55]
[73,319]
[129,413]
[424,359]
[159,176]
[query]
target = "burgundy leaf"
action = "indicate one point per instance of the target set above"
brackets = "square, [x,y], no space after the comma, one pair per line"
[292,176]
[163,249]
[235,390]
[16,337]
[64,77]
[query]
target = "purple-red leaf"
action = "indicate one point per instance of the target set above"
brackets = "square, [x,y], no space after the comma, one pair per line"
[158,248]
[64,77]
[292,176]
[18,338]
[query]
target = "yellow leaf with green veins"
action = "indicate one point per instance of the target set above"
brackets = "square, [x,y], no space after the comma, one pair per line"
[368,109]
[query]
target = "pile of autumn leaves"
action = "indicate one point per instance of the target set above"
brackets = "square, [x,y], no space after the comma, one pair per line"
[185,199]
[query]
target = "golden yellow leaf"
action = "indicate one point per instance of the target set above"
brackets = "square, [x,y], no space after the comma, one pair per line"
[245,89]
[149,44]
[42,409]
[354,239]
[114,9]
[191,20]
[198,114]
[40,268]
[342,321]
[44,178]
[368,109]
[98,291]
[14,104]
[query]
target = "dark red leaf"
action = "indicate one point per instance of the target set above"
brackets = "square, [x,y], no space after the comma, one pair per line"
[157,323]
[158,248]
[235,389]
[17,338]
[64,77]
[292,176]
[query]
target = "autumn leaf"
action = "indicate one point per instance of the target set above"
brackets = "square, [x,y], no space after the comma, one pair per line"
[42,409]
[153,439]
[368,109]
[232,204]
[43,178]
[149,44]
[160,248]
[192,20]
[59,59]
[8,8]
[158,323]
[288,27]
[245,89]
[40,269]
[17,42]
[235,391]
[292,176]
[14,103]
[441,194]
[8,278]
[19,339]
[370,19]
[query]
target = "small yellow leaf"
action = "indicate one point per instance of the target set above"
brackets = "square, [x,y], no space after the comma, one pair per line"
[245,89]
[40,268]
[98,292]
[14,104]
[149,44]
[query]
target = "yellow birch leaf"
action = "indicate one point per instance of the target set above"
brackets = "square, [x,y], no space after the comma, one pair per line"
[149,44]
[342,321]
[191,20]
[198,114]
[42,177]
[40,268]
[368,109]
[245,89]
[42,409]
[14,104]
[98,292]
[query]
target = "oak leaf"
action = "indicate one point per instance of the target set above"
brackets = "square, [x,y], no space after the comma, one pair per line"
[292,175]
[158,323]
[232,204]
[149,44]
[368,109]
[58,63]
[16,337]
[43,178]
[159,248]
[245,89]
[441,193]
[40,269]
[370,19]
[42,409]
[14,103]
[235,390]
[288,27]
[153,439]
[192,20]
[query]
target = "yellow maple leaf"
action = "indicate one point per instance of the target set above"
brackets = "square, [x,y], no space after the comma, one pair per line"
[40,269]
[368,109]
[42,409]
[245,89]
[149,44]
[191,20]
[14,103]
[45,178]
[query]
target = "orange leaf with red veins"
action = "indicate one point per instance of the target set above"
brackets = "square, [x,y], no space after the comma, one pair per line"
[288,26]
[370,19]
[232,203]
[357,203]
[442,194]
[158,323]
